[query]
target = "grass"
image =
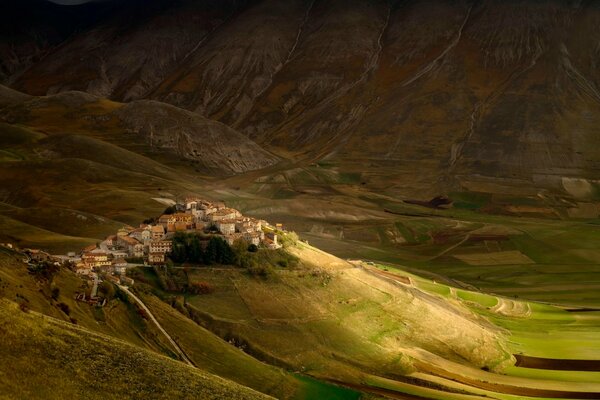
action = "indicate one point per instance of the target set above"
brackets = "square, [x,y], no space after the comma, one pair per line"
[221,358]
[72,362]
[118,319]
[327,202]
[16,135]
[327,319]
[314,389]
[538,330]
[27,235]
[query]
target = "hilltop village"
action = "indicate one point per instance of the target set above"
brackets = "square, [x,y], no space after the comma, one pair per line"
[152,242]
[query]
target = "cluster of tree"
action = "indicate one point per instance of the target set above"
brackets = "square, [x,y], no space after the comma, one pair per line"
[288,239]
[178,280]
[172,280]
[261,262]
[189,248]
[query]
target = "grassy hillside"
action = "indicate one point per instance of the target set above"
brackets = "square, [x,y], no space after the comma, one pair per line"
[121,320]
[72,362]
[383,331]
[118,319]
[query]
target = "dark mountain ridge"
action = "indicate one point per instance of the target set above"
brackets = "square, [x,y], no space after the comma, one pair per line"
[424,97]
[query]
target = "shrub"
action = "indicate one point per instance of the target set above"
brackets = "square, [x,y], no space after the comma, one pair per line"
[253,248]
[201,288]
[64,308]
[121,295]
[288,239]
[55,293]
[107,289]
[142,312]
[262,270]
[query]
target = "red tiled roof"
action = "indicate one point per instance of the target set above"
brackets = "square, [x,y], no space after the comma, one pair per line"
[130,240]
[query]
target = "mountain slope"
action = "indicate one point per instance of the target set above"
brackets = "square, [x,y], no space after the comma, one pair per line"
[212,145]
[435,96]
[180,134]
[131,50]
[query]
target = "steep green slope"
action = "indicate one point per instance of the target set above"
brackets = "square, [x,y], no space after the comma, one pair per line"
[72,362]
[119,318]
[122,320]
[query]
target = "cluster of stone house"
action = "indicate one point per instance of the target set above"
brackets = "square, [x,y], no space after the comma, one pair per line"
[151,243]
[230,223]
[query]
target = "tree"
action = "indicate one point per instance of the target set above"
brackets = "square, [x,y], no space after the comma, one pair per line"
[45,270]
[288,239]
[179,252]
[212,251]
[195,250]
[225,254]
[170,210]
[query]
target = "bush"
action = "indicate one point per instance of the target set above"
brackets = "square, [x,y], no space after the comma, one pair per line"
[288,239]
[121,295]
[253,248]
[64,308]
[55,293]
[201,288]
[107,289]
[262,270]
[142,313]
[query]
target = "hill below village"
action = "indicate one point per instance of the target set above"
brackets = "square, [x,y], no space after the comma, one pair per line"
[75,362]
[321,328]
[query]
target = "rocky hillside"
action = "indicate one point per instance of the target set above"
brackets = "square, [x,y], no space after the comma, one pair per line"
[210,145]
[433,96]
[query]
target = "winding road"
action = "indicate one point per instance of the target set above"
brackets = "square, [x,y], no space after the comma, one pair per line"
[158,325]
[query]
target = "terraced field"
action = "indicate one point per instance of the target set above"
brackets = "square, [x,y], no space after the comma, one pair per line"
[557,351]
